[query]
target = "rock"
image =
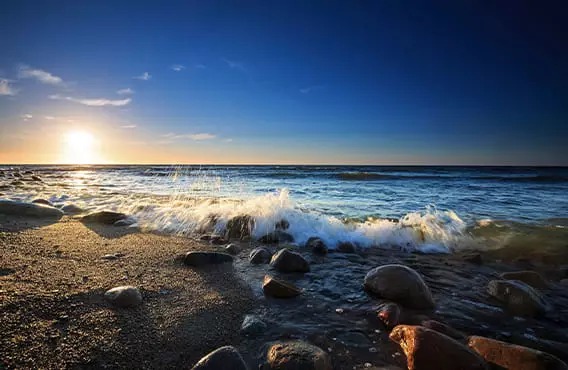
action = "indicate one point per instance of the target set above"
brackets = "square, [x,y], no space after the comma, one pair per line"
[400,284]
[517,297]
[198,259]
[260,255]
[564,282]
[239,227]
[316,245]
[510,356]
[10,207]
[346,247]
[288,261]
[531,278]
[124,296]
[17,174]
[42,201]
[277,237]
[109,257]
[104,217]
[279,288]
[474,258]
[233,249]
[36,178]
[445,329]
[252,326]
[427,349]
[224,358]
[282,225]
[297,355]
[17,183]
[71,209]
[389,314]
[126,222]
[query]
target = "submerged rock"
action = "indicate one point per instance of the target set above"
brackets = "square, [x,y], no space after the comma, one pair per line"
[279,288]
[277,237]
[260,255]
[389,314]
[288,261]
[124,296]
[445,329]
[239,227]
[316,245]
[252,326]
[198,259]
[104,217]
[346,247]
[224,358]
[36,178]
[233,249]
[531,278]
[427,349]
[282,225]
[400,284]
[72,209]
[297,355]
[11,207]
[474,258]
[517,297]
[513,357]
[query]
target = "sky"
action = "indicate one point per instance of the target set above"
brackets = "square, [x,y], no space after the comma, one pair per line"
[284,82]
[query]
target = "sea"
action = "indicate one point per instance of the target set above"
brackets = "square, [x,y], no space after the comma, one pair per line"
[430,209]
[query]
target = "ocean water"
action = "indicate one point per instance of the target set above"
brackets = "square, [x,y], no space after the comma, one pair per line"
[426,208]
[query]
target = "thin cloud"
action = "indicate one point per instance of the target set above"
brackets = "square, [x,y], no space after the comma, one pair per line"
[177,67]
[234,65]
[49,118]
[6,89]
[40,75]
[27,117]
[127,91]
[93,102]
[199,136]
[309,89]
[144,76]
[229,140]
[128,126]
[200,66]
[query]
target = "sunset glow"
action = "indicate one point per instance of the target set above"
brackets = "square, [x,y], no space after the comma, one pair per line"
[79,148]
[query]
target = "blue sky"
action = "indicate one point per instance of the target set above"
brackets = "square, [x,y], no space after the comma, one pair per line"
[287,81]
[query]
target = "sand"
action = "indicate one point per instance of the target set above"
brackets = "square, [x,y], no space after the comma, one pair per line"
[52,311]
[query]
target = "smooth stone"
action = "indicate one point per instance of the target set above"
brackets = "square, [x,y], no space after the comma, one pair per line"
[260,255]
[239,227]
[109,257]
[445,329]
[518,298]
[277,237]
[104,217]
[399,284]
[36,178]
[288,261]
[125,222]
[124,296]
[345,247]
[297,355]
[531,278]
[389,314]
[233,249]
[197,259]
[252,326]
[42,201]
[513,357]
[279,288]
[316,245]
[72,209]
[427,349]
[11,207]
[17,183]
[224,358]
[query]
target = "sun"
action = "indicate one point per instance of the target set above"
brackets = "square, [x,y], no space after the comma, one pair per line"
[79,148]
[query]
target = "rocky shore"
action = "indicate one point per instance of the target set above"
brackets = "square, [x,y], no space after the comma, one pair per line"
[91,291]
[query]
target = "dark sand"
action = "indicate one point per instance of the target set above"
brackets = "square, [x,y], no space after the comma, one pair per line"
[53,314]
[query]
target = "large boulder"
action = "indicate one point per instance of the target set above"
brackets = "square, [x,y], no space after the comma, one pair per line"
[531,278]
[104,217]
[260,255]
[198,259]
[427,349]
[297,355]
[279,288]
[239,227]
[224,358]
[288,261]
[72,209]
[253,326]
[124,296]
[513,357]
[42,201]
[400,284]
[316,245]
[276,237]
[517,297]
[15,208]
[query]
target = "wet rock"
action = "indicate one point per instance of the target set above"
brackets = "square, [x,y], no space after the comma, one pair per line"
[354,339]
[224,358]
[282,225]
[523,262]
[17,174]
[198,259]
[400,284]
[279,288]
[445,329]
[239,227]
[389,314]
[217,240]
[71,209]
[277,237]
[474,258]
[42,201]
[17,183]
[427,349]
[564,282]
[297,355]
[510,356]
[36,178]
[109,257]
[104,217]
[233,249]
[260,255]
[316,245]
[252,326]
[517,297]
[125,222]
[531,278]
[10,207]
[124,296]
[288,261]
[345,247]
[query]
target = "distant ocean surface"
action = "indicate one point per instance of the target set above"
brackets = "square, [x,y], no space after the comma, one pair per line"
[428,208]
